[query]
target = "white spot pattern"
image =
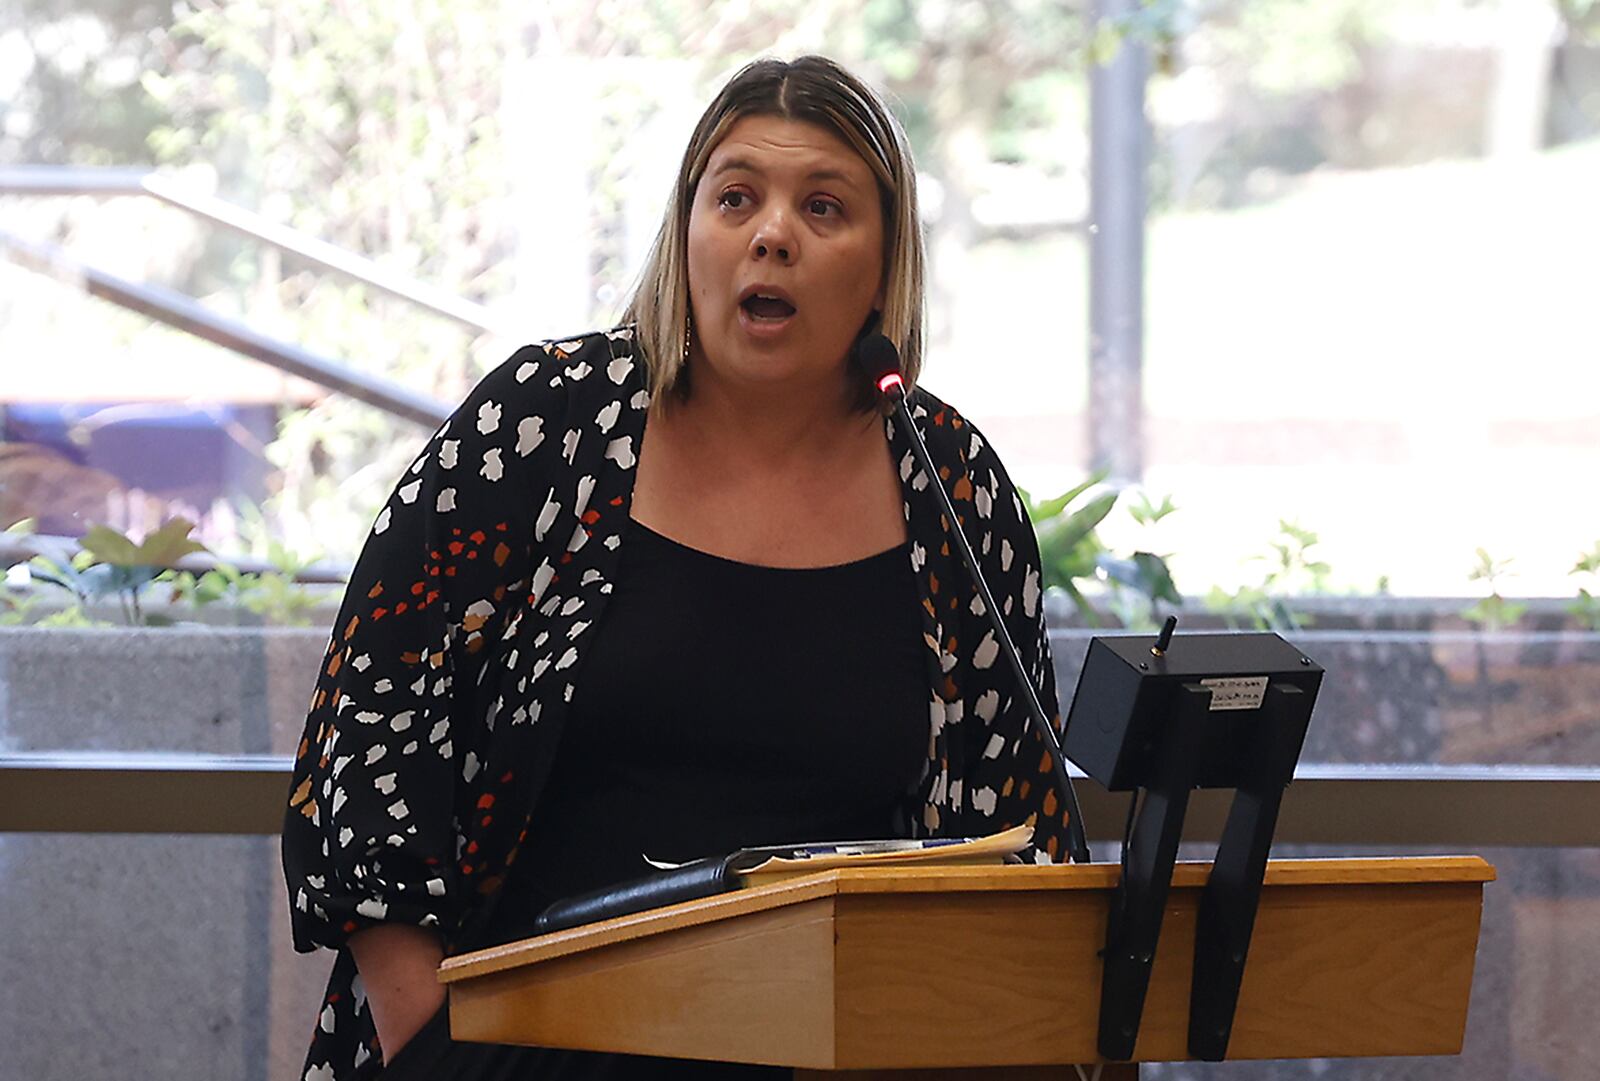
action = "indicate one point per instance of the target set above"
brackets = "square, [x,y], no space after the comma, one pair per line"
[987,651]
[547,516]
[621,452]
[492,468]
[530,433]
[509,665]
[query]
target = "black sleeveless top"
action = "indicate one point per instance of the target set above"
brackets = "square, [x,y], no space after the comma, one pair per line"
[722,704]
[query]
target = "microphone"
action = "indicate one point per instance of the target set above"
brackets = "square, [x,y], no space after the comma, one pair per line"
[880,360]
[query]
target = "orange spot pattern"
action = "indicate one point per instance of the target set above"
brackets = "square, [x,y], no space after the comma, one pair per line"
[479,560]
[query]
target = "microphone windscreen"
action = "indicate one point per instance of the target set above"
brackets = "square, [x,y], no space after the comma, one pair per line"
[878,357]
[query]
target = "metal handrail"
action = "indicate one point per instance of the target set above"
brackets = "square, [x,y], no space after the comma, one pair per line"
[1328,804]
[67,180]
[186,314]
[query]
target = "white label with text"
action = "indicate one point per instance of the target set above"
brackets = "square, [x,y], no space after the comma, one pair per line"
[1236,692]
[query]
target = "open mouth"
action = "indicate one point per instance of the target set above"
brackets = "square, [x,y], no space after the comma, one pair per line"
[772,309]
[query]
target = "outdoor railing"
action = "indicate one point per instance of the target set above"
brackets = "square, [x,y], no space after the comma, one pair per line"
[190,316]
[1347,805]
[45,180]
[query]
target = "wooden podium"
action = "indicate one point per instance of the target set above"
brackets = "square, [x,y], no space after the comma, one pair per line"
[986,972]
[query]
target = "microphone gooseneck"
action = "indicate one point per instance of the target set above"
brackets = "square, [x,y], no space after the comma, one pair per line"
[880,361]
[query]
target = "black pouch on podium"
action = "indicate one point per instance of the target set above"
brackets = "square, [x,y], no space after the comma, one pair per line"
[690,882]
[719,874]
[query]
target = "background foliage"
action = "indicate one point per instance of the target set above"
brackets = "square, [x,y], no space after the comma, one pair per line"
[391,129]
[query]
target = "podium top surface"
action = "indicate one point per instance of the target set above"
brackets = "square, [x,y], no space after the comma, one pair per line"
[906,880]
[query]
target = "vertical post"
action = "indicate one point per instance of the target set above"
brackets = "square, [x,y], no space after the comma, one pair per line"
[1117,156]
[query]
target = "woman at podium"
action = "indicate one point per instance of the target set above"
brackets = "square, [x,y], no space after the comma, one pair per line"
[664,591]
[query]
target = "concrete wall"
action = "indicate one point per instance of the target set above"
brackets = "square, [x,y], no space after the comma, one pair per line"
[133,956]
[169,957]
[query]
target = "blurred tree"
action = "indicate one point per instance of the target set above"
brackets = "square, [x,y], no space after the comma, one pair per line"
[71,95]
[1573,112]
[971,81]
[1285,46]
[371,126]
[970,70]
[379,127]
[1290,86]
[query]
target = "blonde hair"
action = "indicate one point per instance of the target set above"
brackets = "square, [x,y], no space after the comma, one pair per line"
[817,91]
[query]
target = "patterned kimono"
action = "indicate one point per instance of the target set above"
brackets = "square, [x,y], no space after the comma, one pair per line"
[442,696]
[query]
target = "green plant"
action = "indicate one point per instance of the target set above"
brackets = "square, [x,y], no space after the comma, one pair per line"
[117,566]
[54,566]
[273,595]
[1071,553]
[1292,570]
[14,607]
[1142,582]
[222,583]
[1493,612]
[16,600]
[18,609]
[1587,606]
[1147,513]
[108,563]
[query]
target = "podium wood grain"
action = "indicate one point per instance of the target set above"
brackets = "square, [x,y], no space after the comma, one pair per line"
[979,967]
[1115,1071]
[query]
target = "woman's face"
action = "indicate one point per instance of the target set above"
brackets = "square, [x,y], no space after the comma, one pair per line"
[785,255]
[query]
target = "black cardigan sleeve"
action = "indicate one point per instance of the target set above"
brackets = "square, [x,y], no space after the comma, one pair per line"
[387,755]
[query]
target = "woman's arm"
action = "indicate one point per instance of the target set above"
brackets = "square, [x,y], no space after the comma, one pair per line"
[387,755]
[399,968]
[392,769]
